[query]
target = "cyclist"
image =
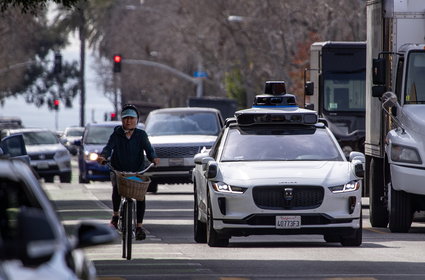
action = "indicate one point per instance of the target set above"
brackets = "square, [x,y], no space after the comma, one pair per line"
[127,145]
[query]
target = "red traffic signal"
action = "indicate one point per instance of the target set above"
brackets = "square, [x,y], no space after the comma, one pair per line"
[56,104]
[113,116]
[117,63]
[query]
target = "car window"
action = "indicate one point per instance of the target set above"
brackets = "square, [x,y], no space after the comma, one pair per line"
[98,134]
[13,197]
[74,132]
[287,144]
[39,138]
[182,123]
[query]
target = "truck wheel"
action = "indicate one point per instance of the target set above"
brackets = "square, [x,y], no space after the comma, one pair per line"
[199,228]
[401,211]
[214,239]
[378,211]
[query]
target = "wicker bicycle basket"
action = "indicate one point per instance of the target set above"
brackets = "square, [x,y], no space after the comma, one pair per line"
[131,187]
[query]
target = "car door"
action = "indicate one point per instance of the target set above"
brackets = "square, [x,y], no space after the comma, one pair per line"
[14,147]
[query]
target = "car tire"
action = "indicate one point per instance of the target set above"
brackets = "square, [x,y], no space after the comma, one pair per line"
[401,211]
[49,179]
[82,180]
[199,228]
[378,210]
[214,239]
[332,238]
[356,238]
[153,187]
[65,177]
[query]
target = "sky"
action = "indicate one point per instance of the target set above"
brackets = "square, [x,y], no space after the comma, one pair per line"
[96,103]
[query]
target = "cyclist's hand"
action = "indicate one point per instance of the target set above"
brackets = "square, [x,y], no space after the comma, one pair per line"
[101,160]
[156,161]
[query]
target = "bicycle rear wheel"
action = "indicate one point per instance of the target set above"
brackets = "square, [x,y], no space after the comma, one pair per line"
[129,227]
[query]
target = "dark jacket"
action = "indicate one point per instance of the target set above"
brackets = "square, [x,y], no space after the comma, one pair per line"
[127,154]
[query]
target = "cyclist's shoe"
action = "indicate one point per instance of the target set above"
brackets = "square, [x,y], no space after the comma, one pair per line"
[114,221]
[140,234]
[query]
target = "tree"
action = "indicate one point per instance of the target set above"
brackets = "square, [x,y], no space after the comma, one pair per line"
[32,6]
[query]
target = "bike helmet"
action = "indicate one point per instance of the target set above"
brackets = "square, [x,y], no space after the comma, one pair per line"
[128,108]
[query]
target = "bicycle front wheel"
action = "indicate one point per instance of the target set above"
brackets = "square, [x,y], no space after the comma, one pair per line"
[129,228]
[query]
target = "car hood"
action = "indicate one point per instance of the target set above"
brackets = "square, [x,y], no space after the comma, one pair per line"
[323,173]
[93,148]
[50,148]
[182,139]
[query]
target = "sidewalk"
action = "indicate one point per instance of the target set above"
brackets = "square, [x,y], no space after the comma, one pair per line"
[75,203]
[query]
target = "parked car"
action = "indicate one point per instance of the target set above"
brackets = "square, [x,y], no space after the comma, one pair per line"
[48,157]
[13,147]
[69,136]
[177,134]
[33,242]
[95,137]
[277,171]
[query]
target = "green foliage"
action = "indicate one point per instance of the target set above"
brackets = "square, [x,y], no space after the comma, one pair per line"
[234,87]
[33,6]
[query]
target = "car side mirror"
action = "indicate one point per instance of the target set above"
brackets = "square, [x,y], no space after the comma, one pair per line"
[34,242]
[389,100]
[211,170]
[358,160]
[379,66]
[92,234]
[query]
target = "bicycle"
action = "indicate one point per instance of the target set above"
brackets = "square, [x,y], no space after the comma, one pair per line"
[131,185]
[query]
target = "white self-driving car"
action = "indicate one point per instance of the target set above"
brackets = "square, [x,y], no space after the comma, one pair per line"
[277,170]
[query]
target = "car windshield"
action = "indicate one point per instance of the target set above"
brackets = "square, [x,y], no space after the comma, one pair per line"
[182,123]
[75,132]
[39,138]
[279,144]
[98,134]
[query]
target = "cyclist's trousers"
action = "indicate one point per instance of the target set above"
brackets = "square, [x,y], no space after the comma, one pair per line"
[116,199]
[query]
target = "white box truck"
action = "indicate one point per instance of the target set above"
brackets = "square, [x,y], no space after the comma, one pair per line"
[395,112]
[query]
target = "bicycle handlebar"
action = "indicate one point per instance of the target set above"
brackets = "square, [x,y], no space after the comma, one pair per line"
[127,172]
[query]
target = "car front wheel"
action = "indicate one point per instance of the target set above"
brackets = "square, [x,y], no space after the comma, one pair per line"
[199,228]
[214,239]
[65,177]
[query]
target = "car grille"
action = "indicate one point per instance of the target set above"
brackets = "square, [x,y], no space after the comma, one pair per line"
[177,152]
[42,156]
[288,197]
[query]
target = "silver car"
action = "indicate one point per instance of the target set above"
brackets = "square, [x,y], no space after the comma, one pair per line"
[177,134]
[33,242]
[48,157]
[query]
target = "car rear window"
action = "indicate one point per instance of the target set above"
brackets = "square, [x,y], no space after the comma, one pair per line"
[39,138]
[280,144]
[182,123]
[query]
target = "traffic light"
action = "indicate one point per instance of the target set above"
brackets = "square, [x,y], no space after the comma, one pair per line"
[117,63]
[57,63]
[56,104]
[113,116]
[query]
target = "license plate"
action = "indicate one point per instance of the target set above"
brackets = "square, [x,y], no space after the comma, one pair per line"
[288,222]
[176,161]
[42,165]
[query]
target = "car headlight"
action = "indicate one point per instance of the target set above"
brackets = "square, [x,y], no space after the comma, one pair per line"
[349,187]
[405,154]
[91,156]
[223,187]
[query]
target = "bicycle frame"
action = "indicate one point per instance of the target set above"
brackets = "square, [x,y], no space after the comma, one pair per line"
[128,219]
